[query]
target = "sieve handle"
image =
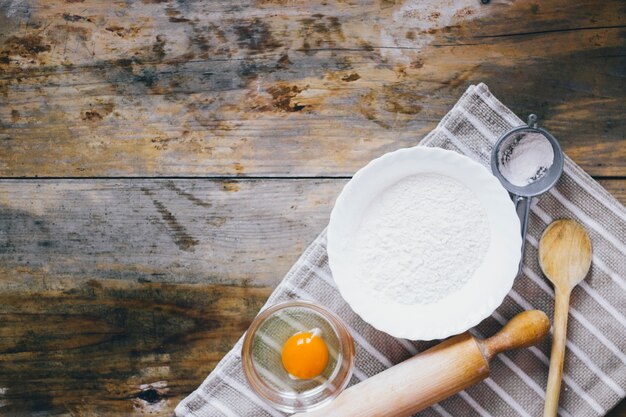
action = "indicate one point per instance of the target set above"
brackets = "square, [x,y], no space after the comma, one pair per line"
[522,208]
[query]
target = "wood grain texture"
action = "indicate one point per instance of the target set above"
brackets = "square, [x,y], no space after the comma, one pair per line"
[524,330]
[399,391]
[277,88]
[110,347]
[191,231]
[118,297]
[617,187]
[103,313]
[557,352]
[565,253]
[565,257]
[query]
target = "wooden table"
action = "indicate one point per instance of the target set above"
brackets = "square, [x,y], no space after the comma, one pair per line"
[163,163]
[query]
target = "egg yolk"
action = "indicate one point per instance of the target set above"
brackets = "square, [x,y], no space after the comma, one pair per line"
[305,355]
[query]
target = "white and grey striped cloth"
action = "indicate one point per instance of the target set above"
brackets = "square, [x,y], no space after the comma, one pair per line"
[595,369]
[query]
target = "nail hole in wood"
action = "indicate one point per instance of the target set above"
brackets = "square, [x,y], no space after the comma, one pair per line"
[150,396]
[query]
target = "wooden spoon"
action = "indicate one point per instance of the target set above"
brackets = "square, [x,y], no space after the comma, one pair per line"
[565,258]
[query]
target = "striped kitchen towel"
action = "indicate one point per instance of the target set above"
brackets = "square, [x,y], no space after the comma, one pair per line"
[595,368]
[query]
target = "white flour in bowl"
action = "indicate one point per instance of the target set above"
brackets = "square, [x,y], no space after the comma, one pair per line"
[421,239]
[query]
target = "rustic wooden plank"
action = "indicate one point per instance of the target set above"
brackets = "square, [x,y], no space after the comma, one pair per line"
[617,187]
[120,296]
[114,348]
[281,89]
[192,231]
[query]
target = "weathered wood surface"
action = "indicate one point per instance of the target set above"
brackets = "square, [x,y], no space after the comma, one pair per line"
[269,88]
[176,231]
[110,347]
[119,296]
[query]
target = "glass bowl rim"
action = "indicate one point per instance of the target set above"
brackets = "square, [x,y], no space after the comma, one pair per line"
[347,352]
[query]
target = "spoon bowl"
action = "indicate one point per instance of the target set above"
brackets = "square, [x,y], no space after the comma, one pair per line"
[565,253]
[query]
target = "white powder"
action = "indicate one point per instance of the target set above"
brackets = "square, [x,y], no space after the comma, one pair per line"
[421,239]
[526,160]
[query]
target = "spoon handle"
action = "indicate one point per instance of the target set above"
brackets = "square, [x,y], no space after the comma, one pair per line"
[557,356]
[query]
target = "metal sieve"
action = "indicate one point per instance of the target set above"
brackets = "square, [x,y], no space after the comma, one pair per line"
[522,195]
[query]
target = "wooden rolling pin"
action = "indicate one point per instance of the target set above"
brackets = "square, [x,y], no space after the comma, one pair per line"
[434,374]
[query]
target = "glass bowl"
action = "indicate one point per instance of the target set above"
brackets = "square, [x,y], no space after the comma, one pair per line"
[262,349]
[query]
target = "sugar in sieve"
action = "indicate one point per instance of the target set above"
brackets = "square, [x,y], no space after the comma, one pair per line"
[528,161]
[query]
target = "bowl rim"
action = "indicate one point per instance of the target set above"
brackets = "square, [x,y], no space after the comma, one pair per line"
[347,355]
[413,323]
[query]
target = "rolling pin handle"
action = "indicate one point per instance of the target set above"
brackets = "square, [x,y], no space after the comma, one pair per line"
[524,330]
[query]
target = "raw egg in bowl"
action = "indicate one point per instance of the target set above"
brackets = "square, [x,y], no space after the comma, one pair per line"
[297,356]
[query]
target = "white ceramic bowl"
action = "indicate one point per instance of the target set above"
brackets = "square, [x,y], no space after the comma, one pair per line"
[461,309]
